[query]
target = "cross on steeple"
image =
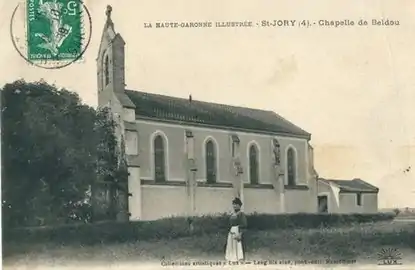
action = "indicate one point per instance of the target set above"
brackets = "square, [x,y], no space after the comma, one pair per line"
[108,12]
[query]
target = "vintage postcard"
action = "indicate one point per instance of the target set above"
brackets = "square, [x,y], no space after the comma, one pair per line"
[225,134]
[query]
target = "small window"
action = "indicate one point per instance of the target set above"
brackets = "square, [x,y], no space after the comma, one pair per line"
[253,165]
[210,163]
[159,159]
[359,199]
[106,72]
[291,167]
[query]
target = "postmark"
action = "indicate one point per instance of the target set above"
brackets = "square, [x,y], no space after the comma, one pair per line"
[53,33]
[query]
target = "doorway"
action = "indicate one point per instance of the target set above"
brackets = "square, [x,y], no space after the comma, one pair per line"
[323,204]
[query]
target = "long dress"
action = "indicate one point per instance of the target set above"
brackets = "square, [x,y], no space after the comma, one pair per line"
[235,250]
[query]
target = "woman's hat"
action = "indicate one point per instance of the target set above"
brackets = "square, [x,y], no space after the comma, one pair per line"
[237,201]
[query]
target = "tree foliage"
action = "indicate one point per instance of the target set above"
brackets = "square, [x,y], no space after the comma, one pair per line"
[54,149]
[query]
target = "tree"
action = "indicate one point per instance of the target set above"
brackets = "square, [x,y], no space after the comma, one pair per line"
[54,148]
[110,191]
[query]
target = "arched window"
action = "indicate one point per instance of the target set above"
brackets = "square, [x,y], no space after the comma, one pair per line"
[291,167]
[106,71]
[210,162]
[159,159]
[253,165]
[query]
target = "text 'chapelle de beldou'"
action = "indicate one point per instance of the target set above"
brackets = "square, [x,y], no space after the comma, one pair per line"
[274,23]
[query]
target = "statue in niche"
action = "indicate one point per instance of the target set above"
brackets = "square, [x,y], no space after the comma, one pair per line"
[277,152]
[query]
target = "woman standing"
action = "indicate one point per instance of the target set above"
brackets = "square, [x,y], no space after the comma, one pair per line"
[235,246]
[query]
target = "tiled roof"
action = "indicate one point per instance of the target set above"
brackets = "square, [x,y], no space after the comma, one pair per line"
[355,185]
[211,114]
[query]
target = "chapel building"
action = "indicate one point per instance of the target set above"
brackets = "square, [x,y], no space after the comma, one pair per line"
[187,157]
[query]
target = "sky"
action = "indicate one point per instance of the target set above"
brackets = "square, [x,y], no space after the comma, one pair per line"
[352,88]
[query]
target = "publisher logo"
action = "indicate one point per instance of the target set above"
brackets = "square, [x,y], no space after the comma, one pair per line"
[389,256]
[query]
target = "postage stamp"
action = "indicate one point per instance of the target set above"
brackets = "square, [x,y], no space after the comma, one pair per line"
[53,29]
[53,34]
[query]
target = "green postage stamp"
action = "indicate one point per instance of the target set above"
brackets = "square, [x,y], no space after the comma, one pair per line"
[54,29]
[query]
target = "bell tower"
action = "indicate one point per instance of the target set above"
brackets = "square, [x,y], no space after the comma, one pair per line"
[110,62]
[111,91]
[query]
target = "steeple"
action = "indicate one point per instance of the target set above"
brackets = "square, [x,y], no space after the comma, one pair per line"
[110,61]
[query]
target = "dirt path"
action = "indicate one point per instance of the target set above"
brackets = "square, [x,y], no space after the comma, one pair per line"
[260,260]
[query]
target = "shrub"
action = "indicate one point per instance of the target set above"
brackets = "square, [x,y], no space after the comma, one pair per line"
[396,211]
[176,227]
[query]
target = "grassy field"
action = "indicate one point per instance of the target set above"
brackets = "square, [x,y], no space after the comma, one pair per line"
[406,216]
[361,242]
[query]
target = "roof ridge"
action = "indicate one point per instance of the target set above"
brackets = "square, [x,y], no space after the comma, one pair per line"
[333,179]
[201,101]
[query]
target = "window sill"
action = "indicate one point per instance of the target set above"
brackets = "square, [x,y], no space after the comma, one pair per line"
[259,186]
[183,183]
[223,185]
[164,183]
[359,191]
[296,187]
